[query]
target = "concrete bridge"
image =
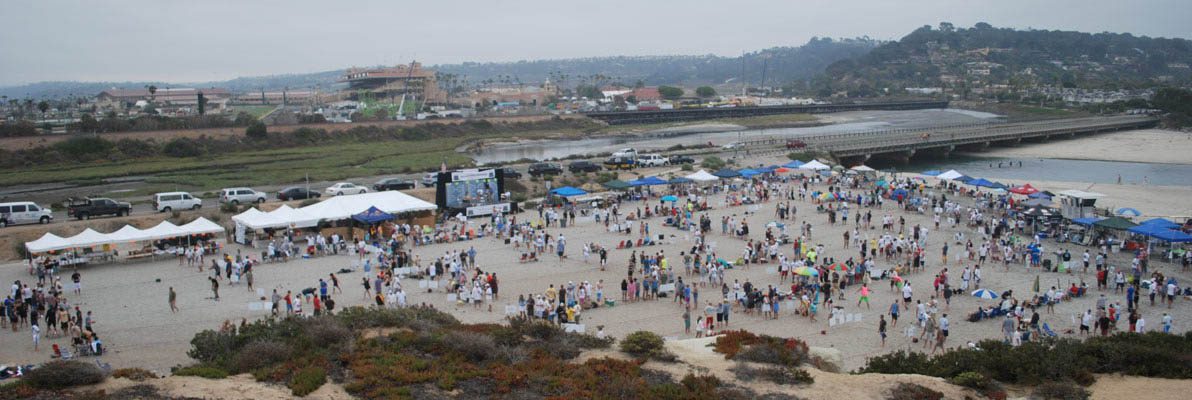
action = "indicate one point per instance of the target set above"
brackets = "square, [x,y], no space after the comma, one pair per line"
[902,144]
[694,114]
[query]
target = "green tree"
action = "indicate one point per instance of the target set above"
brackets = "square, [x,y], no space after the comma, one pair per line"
[670,92]
[43,106]
[87,123]
[244,119]
[256,130]
[705,91]
[202,104]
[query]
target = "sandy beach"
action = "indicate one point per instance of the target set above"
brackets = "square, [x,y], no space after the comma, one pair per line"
[1147,145]
[133,317]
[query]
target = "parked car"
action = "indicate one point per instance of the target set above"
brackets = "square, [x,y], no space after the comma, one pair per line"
[629,153]
[170,201]
[297,193]
[241,195]
[795,144]
[615,163]
[430,179]
[582,166]
[90,207]
[393,184]
[651,160]
[540,169]
[24,212]
[732,146]
[677,160]
[510,173]
[343,188]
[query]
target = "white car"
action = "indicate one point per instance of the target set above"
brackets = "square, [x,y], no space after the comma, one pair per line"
[343,188]
[732,146]
[651,160]
[241,195]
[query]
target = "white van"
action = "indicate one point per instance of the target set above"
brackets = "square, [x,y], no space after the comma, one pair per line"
[165,202]
[23,212]
[652,160]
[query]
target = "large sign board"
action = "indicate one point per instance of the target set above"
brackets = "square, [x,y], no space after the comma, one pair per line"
[474,192]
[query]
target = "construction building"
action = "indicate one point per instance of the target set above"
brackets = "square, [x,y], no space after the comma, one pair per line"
[393,82]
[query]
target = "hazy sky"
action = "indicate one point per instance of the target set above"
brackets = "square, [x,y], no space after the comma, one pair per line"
[186,41]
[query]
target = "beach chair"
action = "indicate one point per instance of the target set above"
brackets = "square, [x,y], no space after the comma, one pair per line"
[1047,330]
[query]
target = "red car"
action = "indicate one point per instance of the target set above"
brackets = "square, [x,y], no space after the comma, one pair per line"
[795,144]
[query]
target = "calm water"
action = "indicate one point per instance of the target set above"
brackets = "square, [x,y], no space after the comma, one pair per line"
[854,122]
[1059,170]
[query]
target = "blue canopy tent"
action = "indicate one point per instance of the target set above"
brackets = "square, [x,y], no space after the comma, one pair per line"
[726,173]
[1172,236]
[933,172]
[999,185]
[679,180]
[898,193]
[747,172]
[568,191]
[1089,221]
[794,164]
[372,215]
[1039,195]
[1160,222]
[963,178]
[647,181]
[768,169]
[981,182]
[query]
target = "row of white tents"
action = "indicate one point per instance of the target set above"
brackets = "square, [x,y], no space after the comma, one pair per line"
[128,234]
[333,209]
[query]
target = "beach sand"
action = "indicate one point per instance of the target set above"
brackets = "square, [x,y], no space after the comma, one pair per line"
[1147,145]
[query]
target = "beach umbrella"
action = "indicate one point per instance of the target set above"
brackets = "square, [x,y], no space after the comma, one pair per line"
[806,271]
[985,294]
[726,173]
[1026,189]
[793,164]
[838,267]
[782,170]
[670,197]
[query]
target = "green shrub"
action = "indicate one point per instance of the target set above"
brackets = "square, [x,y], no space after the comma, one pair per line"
[133,374]
[971,379]
[687,167]
[202,371]
[778,375]
[307,380]
[59,374]
[259,354]
[712,163]
[913,391]
[642,344]
[308,202]
[1062,390]
[229,208]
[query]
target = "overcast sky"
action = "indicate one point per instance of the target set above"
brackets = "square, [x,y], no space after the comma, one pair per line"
[188,41]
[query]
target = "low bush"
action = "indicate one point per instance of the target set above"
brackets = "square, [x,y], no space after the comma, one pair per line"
[778,375]
[134,374]
[59,374]
[308,202]
[307,380]
[259,354]
[913,391]
[202,371]
[642,344]
[1059,391]
[746,346]
[971,379]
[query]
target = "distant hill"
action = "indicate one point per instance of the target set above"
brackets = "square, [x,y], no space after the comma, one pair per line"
[960,58]
[782,65]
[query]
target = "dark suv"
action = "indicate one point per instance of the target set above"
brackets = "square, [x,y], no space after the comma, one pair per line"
[583,166]
[510,173]
[393,184]
[539,169]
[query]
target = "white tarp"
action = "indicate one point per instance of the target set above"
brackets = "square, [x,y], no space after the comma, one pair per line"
[285,216]
[702,176]
[343,207]
[126,234]
[47,242]
[815,165]
[202,226]
[862,168]
[950,175]
[88,238]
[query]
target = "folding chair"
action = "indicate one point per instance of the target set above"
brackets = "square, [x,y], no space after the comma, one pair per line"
[1047,330]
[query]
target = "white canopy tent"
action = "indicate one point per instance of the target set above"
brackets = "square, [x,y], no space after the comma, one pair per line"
[202,226]
[815,165]
[343,207]
[862,168]
[950,175]
[88,238]
[126,234]
[164,230]
[252,218]
[47,242]
[292,217]
[702,176]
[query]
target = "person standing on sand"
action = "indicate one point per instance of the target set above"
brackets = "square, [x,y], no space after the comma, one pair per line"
[173,301]
[78,282]
[687,321]
[894,314]
[881,328]
[214,287]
